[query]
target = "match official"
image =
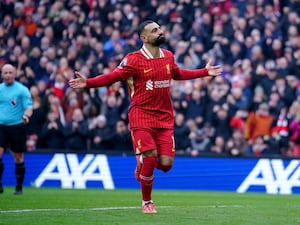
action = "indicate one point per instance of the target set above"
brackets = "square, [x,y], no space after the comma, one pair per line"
[15,112]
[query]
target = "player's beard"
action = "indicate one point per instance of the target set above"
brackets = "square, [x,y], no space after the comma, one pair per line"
[158,41]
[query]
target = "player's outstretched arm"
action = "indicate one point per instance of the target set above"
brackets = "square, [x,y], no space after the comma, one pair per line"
[213,70]
[79,82]
[209,70]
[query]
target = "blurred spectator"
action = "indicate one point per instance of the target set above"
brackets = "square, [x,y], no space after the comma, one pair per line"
[294,108]
[40,68]
[237,145]
[294,149]
[72,100]
[34,60]
[64,69]
[221,121]
[259,97]
[181,133]
[76,132]
[257,42]
[195,107]
[285,92]
[53,103]
[7,26]
[112,111]
[280,130]
[264,145]
[275,104]
[259,147]
[52,133]
[235,52]
[122,138]
[113,41]
[216,97]
[294,128]
[258,123]
[36,121]
[209,131]
[268,80]
[192,125]
[236,100]
[59,85]
[101,135]
[218,146]
[238,120]
[200,143]
[27,22]
[179,101]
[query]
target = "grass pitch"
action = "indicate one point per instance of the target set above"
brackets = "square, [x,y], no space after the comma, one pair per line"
[51,206]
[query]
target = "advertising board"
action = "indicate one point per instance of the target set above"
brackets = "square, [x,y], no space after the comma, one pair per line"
[273,176]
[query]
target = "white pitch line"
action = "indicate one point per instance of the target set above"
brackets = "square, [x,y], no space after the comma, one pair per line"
[107,208]
[62,209]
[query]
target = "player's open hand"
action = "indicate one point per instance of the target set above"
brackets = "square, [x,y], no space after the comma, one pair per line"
[79,82]
[213,70]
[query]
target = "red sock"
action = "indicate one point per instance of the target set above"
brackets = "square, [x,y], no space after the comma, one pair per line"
[147,177]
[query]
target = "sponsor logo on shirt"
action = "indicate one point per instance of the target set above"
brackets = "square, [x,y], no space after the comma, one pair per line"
[150,85]
[147,70]
[13,102]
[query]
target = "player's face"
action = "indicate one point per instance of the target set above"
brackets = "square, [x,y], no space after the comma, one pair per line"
[154,35]
[8,74]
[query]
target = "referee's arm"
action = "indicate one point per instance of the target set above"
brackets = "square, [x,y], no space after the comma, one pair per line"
[27,114]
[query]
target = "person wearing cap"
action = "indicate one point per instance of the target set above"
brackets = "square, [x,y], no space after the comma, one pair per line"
[200,143]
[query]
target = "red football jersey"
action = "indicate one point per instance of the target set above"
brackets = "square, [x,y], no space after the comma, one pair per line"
[149,88]
[149,81]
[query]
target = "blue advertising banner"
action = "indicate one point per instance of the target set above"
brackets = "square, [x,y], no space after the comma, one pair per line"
[273,176]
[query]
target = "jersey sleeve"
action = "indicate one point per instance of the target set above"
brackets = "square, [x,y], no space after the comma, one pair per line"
[122,72]
[26,99]
[184,74]
[103,80]
[127,66]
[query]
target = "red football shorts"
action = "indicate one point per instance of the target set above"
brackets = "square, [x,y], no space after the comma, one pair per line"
[145,139]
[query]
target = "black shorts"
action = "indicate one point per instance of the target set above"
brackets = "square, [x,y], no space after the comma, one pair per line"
[13,137]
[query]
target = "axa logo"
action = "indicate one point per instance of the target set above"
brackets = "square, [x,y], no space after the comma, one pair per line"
[274,175]
[75,173]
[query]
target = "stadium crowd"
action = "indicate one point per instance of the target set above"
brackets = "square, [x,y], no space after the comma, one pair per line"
[253,109]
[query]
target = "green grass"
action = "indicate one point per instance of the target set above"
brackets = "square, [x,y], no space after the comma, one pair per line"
[50,206]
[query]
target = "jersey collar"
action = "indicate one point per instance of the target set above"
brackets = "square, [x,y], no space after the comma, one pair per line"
[148,54]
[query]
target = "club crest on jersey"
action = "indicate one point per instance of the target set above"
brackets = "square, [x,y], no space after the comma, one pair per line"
[168,68]
[122,63]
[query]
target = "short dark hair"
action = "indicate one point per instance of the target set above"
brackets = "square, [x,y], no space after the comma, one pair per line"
[141,27]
